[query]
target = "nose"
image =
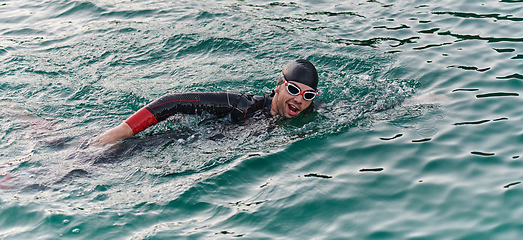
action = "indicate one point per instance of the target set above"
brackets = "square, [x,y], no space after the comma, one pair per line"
[298,99]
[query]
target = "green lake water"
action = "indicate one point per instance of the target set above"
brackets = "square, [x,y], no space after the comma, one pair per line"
[419,134]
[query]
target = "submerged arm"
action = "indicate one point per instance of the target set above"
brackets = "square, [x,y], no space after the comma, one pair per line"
[118,133]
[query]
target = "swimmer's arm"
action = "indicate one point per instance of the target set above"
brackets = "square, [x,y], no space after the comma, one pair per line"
[168,105]
[118,133]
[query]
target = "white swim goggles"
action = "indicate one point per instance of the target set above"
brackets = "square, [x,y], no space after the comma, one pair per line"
[295,90]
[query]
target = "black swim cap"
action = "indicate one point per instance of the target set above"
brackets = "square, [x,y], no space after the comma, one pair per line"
[301,71]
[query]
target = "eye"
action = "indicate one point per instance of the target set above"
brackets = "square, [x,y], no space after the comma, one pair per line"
[293,89]
[309,95]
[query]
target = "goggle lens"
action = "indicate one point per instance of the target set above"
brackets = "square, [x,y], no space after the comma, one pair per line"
[293,89]
[309,95]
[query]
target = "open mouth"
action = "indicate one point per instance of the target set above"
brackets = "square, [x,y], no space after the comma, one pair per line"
[293,110]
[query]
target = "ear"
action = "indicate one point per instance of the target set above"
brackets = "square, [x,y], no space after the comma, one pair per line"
[277,89]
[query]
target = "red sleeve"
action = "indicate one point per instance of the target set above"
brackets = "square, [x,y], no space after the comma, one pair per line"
[141,120]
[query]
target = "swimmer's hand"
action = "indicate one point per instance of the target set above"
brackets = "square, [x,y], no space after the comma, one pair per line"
[118,133]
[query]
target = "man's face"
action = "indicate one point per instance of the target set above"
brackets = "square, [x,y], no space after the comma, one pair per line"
[288,105]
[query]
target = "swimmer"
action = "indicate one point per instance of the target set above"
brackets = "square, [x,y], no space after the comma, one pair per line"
[294,93]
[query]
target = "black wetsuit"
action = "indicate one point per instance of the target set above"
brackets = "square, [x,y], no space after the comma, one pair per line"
[235,106]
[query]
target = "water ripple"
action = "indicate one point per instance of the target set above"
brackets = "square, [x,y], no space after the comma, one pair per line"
[402,26]
[515,75]
[472,123]
[475,15]
[473,68]
[429,31]
[76,8]
[497,94]
[391,138]
[317,175]
[482,153]
[421,140]
[478,37]
[334,14]
[511,184]
[374,42]
[503,50]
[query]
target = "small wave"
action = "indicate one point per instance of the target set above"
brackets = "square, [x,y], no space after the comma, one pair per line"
[371,169]
[497,94]
[374,42]
[317,175]
[475,15]
[472,123]
[478,37]
[465,90]
[421,140]
[511,184]
[402,26]
[429,31]
[504,50]
[333,14]
[391,138]
[515,75]
[76,8]
[482,153]
[473,68]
